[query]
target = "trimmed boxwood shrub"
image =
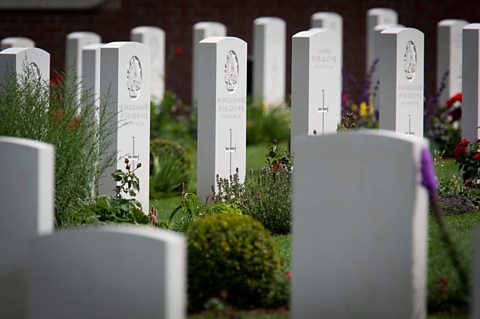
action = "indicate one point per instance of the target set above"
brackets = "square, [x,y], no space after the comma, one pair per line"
[231,257]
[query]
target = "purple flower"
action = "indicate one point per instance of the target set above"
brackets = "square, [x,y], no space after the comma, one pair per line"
[429,180]
[258,197]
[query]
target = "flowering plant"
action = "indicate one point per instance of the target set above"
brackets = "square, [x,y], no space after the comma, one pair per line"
[442,123]
[467,155]
[357,101]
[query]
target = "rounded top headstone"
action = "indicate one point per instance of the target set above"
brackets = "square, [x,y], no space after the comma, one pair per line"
[82,34]
[451,22]
[265,20]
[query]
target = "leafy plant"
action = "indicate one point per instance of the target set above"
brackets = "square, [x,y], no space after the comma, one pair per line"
[116,208]
[467,155]
[173,120]
[442,125]
[127,182]
[54,113]
[454,196]
[265,195]
[230,257]
[265,124]
[358,110]
[170,168]
[191,208]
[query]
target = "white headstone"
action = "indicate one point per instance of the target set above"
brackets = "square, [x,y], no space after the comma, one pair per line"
[74,45]
[222,99]
[269,40]
[202,30]
[449,57]
[375,75]
[401,80]
[155,39]
[377,16]
[471,82]
[108,272]
[316,83]
[16,42]
[27,196]
[34,61]
[332,21]
[359,235]
[125,83]
[91,72]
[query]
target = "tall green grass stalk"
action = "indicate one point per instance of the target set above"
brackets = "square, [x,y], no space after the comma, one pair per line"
[56,114]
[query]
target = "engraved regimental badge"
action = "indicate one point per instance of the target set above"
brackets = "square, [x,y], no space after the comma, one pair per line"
[134,77]
[410,60]
[34,71]
[231,71]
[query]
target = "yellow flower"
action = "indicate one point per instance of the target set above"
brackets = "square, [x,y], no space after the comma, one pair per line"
[354,107]
[363,109]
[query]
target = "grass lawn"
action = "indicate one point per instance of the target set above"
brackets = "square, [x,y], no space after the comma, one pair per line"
[462,228]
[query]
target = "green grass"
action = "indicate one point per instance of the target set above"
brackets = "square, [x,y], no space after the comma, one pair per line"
[448,169]
[255,160]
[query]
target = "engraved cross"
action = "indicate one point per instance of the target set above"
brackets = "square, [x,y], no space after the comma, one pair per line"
[230,149]
[323,109]
[132,157]
[410,132]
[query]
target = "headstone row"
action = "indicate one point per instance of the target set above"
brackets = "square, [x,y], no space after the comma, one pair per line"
[153,37]
[123,82]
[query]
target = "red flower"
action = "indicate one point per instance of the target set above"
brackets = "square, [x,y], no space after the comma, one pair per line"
[75,122]
[463,143]
[476,156]
[468,183]
[178,50]
[57,78]
[59,115]
[288,274]
[153,216]
[456,98]
[442,281]
[458,151]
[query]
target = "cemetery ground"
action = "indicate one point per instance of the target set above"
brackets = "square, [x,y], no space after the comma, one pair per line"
[443,282]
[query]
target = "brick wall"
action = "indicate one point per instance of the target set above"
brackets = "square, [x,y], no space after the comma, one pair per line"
[49,28]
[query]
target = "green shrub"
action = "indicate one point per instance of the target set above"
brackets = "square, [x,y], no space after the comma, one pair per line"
[170,167]
[173,120]
[116,208]
[231,257]
[455,204]
[191,208]
[472,194]
[269,200]
[265,195]
[266,124]
[55,114]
